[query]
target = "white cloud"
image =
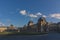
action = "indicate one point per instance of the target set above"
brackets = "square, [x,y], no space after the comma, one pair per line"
[44,16]
[33,16]
[1,24]
[56,15]
[39,14]
[23,12]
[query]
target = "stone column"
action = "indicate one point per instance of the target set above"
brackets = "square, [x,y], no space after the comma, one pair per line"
[42,28]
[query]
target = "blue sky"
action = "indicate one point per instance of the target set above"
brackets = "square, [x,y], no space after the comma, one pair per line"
[10,11]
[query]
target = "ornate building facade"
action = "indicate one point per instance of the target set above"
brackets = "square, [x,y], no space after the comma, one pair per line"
[41,25]
[30,26]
